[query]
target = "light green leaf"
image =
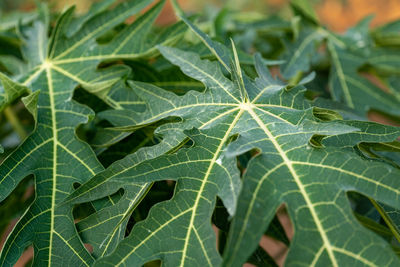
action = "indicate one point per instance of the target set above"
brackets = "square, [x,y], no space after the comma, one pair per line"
[76,23]
[278,122]
[11,20]
[305,8]
[237,137]
[299,54]
[10,91]
[388,34]
[106,228]
[385,60]
[348,87]
[30,101]
[58,69]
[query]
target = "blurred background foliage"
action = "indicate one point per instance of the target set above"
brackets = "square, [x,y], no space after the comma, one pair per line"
[338,15]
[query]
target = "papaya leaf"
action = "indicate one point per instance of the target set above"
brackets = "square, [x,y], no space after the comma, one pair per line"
[58,65]
[150,146]
[278,121]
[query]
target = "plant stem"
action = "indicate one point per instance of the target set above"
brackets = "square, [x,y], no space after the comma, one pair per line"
[387,219]
[296,79]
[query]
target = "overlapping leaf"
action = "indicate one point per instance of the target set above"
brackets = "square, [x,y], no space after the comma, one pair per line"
[306,160]
[58,65]
[349,87]
[348,54]
[304,156]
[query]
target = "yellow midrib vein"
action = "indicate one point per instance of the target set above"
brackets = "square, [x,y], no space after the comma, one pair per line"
[87,37]
[300,185]
[303,45]
[48,68]
[209,76]
[341,76]
[151,234]
[250,209]
[55,140]
[203,184]
[126,40]
[132,205]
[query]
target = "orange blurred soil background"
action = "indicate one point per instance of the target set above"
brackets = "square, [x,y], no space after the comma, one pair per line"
[338,15]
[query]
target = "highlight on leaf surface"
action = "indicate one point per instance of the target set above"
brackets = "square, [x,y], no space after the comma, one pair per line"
[278,122]
[181,143]
[58,64]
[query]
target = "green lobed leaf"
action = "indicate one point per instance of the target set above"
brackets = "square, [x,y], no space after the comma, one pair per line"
[59,65]
[11,91]
[299,53]
[280,123]
[347,86]
[289,150]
